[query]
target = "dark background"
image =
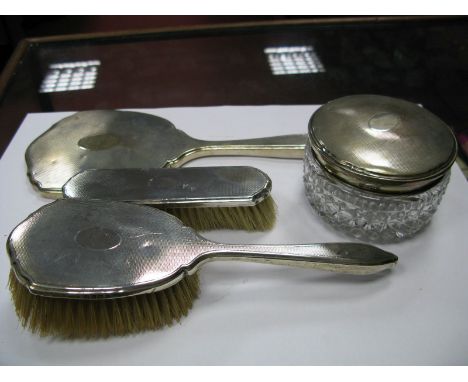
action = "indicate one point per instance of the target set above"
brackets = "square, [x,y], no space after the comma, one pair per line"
[421,59]
[14,28]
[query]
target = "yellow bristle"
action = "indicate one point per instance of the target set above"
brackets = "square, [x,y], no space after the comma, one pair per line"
[101,318]
[93,318]
[261,217]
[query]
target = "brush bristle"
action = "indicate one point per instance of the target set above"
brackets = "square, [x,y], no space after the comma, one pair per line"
[261,217]
[73,318]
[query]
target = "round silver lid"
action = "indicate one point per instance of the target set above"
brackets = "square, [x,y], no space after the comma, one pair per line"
[381,143]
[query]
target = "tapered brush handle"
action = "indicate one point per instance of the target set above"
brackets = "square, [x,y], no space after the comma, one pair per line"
[282,146]
[351,258]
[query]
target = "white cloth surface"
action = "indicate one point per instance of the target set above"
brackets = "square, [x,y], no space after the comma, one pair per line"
[254,314]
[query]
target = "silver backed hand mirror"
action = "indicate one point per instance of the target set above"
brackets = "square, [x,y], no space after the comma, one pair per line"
[108,139]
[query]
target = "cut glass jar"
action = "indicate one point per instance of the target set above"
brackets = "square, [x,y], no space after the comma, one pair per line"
[377,167]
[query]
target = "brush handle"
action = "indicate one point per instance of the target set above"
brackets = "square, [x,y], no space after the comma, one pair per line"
[282,146]
[351,258]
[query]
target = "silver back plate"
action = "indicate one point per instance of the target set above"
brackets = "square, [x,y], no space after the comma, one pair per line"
[99,249]
[181,187]
[73,248]
[102,139]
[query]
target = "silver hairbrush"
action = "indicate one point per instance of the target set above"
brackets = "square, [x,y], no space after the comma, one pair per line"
[82,249]
[204,198]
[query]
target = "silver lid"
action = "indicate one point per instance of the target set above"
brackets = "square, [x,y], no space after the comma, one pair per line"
[381,143]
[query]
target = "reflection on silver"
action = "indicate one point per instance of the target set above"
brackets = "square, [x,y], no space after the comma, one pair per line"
[68,76]
[293,60]
[377,160]
[144,249]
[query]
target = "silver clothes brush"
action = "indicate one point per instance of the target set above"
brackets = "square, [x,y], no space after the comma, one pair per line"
[221,186]
[204,198]
[120,139]
[95,268]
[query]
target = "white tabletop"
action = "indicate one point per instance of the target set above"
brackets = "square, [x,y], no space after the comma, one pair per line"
[254,314]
